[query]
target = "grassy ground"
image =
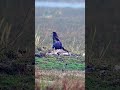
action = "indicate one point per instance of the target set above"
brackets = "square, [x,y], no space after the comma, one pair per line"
[16,82]
[109,81]
[58,80]
[61,63]
[60,73]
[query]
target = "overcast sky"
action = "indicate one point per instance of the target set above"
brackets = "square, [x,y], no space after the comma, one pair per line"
[59,4]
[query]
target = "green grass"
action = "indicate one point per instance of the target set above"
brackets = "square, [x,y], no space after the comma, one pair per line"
[16,82]
[59,63]
[96,82]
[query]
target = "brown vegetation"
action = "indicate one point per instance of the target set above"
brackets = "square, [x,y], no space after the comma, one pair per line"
[58,80]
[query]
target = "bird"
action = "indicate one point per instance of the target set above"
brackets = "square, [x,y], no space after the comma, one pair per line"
[57,48]
[57,44]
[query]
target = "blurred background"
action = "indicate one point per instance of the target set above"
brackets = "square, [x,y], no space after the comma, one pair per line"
[65,17]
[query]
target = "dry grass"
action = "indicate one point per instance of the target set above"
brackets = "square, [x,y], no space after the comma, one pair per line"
[58,80]
[6,32]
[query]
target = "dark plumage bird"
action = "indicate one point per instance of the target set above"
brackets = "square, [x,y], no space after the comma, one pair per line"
[57,44]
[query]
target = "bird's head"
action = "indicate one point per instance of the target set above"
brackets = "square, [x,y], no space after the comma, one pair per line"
[55,34]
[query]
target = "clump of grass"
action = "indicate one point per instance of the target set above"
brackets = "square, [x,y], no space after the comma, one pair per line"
[5,42]
[6,29]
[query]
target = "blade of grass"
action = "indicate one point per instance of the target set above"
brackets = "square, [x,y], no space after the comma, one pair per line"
[3,34]
[11,43]
[7,34]
[2,22]
[105,50]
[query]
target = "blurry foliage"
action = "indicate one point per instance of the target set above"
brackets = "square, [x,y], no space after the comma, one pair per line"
[14,63]
[14,82]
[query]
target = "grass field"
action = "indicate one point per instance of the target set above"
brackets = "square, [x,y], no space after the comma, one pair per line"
[58,80]
[60,73]
[61,63]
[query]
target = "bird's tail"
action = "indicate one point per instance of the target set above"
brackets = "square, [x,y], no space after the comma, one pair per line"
[65,49]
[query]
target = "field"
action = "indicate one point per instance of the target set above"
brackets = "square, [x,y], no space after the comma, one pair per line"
[60,63]
[58,80]
[60,72]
